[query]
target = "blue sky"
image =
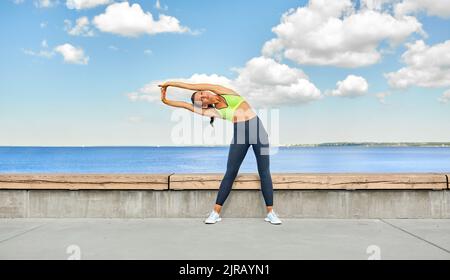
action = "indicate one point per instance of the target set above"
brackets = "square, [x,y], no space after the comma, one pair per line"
[48,99]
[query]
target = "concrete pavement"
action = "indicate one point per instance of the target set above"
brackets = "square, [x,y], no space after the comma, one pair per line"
[232,238]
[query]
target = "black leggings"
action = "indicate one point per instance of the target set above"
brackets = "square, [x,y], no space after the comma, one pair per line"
[246,133]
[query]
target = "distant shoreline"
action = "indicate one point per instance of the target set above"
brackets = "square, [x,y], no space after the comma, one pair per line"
[376,144]
[327,144]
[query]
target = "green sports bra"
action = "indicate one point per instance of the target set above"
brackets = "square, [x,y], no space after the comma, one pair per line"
[233,102]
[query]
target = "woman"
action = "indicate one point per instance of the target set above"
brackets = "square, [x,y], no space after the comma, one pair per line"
[216,101]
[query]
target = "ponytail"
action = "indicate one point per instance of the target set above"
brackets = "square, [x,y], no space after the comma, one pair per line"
[211,121]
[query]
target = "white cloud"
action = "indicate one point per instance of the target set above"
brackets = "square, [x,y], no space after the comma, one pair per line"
[329,32]
[71,54]
[145,94]
[377,5]
[445,98]
[426,66]
[45,3]
[262,81]
[114,48]
[41,53]
[18,1]
[159,7]
[130,20]
[44,52]
[85,4]
[81,28]
[352,86]
[265,82]
[381,96]
[439,8]
[148,52]
[43,24]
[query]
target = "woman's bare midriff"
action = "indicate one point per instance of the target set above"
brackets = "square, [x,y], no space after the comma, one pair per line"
[243,113]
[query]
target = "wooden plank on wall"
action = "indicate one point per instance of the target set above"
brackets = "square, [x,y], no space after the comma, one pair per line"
[85,181]
[349,181]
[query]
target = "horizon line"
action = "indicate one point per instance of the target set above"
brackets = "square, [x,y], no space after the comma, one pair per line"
[226,145]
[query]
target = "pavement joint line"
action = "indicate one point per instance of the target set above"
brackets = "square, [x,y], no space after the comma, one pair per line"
[22,233]
[416,236]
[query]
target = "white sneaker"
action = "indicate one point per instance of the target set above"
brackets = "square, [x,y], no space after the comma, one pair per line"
[213,218]
[272,218]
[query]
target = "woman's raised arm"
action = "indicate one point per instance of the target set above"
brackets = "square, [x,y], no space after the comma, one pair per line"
[218,89]
[210,112]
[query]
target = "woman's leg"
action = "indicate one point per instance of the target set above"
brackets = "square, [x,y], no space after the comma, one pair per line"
[261,150]
[236,155]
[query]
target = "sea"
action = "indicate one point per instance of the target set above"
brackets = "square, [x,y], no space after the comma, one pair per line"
[213,159]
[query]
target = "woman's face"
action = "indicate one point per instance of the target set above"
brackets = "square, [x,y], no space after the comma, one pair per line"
[205,97]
